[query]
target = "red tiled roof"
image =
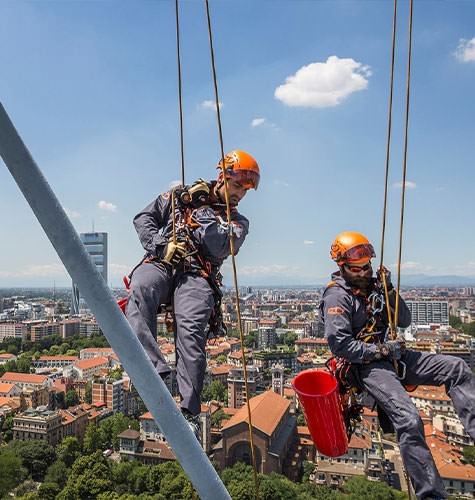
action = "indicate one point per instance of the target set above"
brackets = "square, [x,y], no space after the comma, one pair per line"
[267,410]
[221,369]
[58,358]
[321,342]
[98,349]
[11,402]
[84,364]
[7,355]
[24,378]
[6,387]
[433,393]
[146,416]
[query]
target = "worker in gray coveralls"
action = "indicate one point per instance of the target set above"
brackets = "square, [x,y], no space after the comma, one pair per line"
[184,270]
[347,309]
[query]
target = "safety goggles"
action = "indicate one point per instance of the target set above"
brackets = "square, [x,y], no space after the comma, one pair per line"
[358,269]
[359,252]
[247,178]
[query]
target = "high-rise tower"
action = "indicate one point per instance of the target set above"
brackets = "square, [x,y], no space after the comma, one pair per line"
[96,247]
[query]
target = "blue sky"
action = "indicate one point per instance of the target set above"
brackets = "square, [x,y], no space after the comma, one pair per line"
[92,88]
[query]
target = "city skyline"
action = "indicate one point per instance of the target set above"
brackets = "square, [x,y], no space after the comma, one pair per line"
[92,91]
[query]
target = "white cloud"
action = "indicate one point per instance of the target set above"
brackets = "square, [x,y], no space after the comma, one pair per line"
[257,122]
[409,185]
[411,267]
[308,242]
[324,84]
[208,104]
[72,214]
[36,271]
[272,269]
[107,206]
[174,184]
[466,50]
[282,183]
[119,269]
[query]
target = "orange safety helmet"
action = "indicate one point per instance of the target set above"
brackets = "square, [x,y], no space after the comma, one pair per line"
[241,166]
[351,247]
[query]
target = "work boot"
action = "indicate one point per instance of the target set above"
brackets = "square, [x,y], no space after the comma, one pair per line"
[194,423]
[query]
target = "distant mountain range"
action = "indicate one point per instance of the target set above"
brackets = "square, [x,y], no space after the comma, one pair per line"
[285,281]
[407,280]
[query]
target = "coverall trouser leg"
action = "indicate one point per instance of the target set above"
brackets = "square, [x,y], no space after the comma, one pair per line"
[150,287]
[439,369]
[380,380]
[193,303]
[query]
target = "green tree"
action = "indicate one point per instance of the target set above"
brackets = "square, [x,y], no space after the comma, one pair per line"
[121,471]
[90,476]
[71,398]
[455,321]
[23,364]
[12,471]
[301,419]
[12,349]
[217,417]
[290,338]
[48,491]
[250,340]
[361,488]
[57,473]
[88,392]
[68,450]
[7,428]
[221,359]
[59,400]
[469,454]
[469,328]
[93,439]
[216,390]
[111,427]
[36,456]
[116,373]
[138,480]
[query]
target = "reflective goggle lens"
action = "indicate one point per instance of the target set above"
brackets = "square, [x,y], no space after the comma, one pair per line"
[359,252]
[247,178]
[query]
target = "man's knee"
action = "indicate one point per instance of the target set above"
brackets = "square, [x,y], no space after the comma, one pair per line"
[459,372]
[411,423]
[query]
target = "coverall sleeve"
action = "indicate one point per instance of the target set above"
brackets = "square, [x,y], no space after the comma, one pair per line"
[337,312]
[150,221]
[213,232]
[405,318]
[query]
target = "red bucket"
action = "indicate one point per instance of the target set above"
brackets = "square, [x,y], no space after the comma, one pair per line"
[318,394]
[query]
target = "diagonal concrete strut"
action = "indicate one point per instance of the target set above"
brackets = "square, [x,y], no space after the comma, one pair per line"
[113,323]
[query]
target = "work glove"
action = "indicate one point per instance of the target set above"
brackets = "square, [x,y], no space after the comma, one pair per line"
[393,349]
[199,193]
[174,253]
[387,274]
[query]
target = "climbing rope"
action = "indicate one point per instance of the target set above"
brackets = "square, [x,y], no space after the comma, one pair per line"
[394,320]
[404,164]
[180,99]
[231,246]
[386,176]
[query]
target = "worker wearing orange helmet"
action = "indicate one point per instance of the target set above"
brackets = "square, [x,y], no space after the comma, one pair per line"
[355,316]
[184,253]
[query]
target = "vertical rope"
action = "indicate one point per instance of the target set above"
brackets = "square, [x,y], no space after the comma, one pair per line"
[386,177]
[231,245]
[180,98]
[404,167]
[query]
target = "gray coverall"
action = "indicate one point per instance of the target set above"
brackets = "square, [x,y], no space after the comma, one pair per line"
[155,283]
[344,315]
